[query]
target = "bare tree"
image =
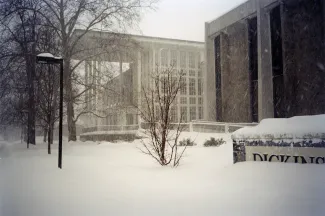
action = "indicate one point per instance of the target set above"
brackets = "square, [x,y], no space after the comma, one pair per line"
[19,22]
[47,86]
[159,113]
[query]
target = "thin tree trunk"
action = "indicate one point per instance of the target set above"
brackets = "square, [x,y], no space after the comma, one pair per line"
[54,108]
[30,67]
[69,97]
[71,122]
[51,133]
[49,142]
[45,135]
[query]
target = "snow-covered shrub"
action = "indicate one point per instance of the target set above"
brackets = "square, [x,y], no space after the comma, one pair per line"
[214,142]
[186,142]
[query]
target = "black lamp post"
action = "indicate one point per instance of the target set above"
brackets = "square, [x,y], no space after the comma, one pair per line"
[48,58]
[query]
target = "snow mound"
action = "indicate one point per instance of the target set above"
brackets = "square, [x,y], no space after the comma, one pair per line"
[298,127]
[117,179]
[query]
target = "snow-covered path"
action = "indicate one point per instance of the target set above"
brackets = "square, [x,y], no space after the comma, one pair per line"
[116,179]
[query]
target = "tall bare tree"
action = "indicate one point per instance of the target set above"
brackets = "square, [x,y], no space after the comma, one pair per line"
[19,22]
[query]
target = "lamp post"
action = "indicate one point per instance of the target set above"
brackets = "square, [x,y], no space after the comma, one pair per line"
[48,58]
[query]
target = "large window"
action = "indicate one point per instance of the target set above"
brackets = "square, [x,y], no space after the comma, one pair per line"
[200,113]
[200,100]
[277,64]
[164,57]
[173,114]
[129,119]
[191,60]
[199,73]
[184,113]
[253,67]
[192,86]
[157,112]
[183,100]
[183,86]
[199,86]
[183,59]
[198,59]
[156,59]
[114,120]
[192,100]
[173,58]
[218,78]
[191,73]
[192,113]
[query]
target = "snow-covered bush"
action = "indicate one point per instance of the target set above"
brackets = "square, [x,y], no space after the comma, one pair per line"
[187,142]
[214,142]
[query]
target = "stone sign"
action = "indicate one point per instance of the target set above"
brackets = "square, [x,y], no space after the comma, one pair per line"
[285,154]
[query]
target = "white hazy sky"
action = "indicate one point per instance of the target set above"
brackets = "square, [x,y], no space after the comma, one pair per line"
[184,19]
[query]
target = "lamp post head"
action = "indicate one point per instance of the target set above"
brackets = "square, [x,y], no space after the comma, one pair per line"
[48,58]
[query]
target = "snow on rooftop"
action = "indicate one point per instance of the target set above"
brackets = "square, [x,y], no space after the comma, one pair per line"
[298,127]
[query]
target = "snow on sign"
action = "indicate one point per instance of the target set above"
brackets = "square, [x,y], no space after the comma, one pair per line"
[298,139]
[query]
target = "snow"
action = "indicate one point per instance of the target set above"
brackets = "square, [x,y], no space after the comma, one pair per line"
[46,55]
[298,127]
[110,132]
[116,179]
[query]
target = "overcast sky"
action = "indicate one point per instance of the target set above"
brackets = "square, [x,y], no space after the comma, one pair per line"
[184,19]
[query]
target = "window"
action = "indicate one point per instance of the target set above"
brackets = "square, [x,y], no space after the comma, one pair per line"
[192,86]
[114,120]
[184,114]
[129,119]
[191,73]
[199,73]
[198,57]
[164,84]
[200,113]
[156,59]
[157,111]
[173,114]
[173,58]
[253,67]
[277,63]
[183,100]
[199,86]
[217,70]
[183,86]
[191,60]
[164,57]
[183,59]
[192,100]
[200,100]
[192,113]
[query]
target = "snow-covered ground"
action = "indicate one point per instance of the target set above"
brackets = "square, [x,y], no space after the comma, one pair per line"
[116,179]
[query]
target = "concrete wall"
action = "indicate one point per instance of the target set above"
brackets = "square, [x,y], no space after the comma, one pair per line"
[304,69]
[210,84]
[235,89]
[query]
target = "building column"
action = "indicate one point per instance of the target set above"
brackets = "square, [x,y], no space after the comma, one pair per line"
[139,86]
[122,113]
[209,90]
[265,74]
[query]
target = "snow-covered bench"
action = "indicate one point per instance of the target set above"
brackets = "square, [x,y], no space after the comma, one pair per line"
[300,139]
